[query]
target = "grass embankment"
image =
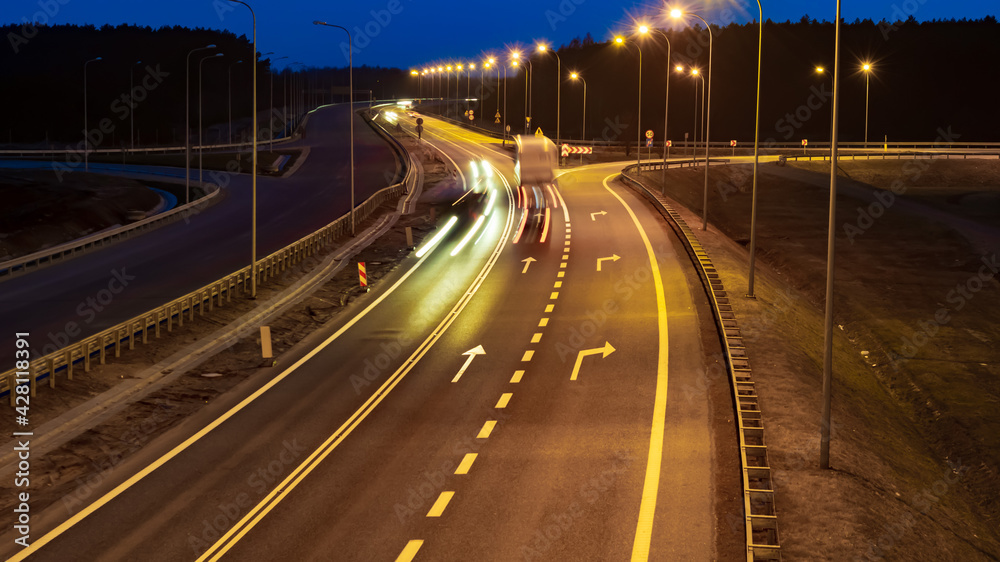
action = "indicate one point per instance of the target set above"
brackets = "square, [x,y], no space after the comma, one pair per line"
[916,435]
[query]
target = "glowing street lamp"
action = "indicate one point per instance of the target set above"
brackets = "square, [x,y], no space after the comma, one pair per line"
[543,48]
[350,120]
[583,130]
[677,14]
[638,120]
[643,29]
[867,68]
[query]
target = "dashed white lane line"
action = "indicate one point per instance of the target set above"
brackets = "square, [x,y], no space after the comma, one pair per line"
[504,399]
[466,464]
[484,433]
[439,506]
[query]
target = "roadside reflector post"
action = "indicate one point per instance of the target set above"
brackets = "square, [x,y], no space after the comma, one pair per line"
[265,342]
[409,237]
[363,276]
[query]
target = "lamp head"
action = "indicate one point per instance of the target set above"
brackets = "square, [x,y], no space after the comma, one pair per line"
[317,22]
[643,29]
[542,48]
[620,40]
[676,13]
[574,75]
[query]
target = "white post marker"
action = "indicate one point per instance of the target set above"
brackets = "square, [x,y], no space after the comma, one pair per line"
[472,353]
[614,257]
[605,351]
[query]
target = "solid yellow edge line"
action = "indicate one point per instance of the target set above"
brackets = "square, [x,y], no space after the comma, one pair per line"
[651,484]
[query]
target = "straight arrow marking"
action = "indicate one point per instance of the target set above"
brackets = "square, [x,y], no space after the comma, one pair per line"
[605,351]
[527,262]
[472,353]
[614,257]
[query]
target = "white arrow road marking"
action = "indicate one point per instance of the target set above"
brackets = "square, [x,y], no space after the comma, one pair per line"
[593,216]
[614,257]
[472,353]
[527,262]
[606,350]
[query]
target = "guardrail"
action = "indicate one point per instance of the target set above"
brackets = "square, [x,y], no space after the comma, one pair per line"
[204,299]
[758,492]
[99,240]
[888,156]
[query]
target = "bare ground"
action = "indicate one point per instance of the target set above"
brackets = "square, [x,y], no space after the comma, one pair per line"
[42,209]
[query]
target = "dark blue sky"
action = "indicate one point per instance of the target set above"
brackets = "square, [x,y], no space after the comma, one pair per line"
[408,33]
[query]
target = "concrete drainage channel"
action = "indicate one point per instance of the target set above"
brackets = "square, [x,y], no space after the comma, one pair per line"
[758,493]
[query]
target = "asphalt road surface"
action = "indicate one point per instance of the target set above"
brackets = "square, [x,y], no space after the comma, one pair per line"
[579,432]
[64,303]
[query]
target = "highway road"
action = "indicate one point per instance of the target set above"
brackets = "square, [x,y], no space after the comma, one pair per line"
[577,433]
[63,303]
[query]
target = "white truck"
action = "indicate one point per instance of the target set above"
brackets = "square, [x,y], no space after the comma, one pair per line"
[535,161]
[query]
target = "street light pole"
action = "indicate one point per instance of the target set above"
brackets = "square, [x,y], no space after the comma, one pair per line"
[583,128]
[253,164]
[86,137]
[201,144]
[708,115]
[350,82]
[867,68]
[756,155]
[638,123]
[824,440]
[666,109]
[187,122]
[543,48]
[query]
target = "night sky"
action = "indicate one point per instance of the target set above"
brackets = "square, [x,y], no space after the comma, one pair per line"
[409,33]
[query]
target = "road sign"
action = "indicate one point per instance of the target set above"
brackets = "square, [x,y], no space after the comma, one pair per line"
[420,120]
[472,117]
[498,115]
[567,149]
[471,112]
[497,121]
[670,143]
[528,119]
[649,143]
[732,143]
[649,134]
[508,128]
[362,275]
[805,142]
[539,133]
